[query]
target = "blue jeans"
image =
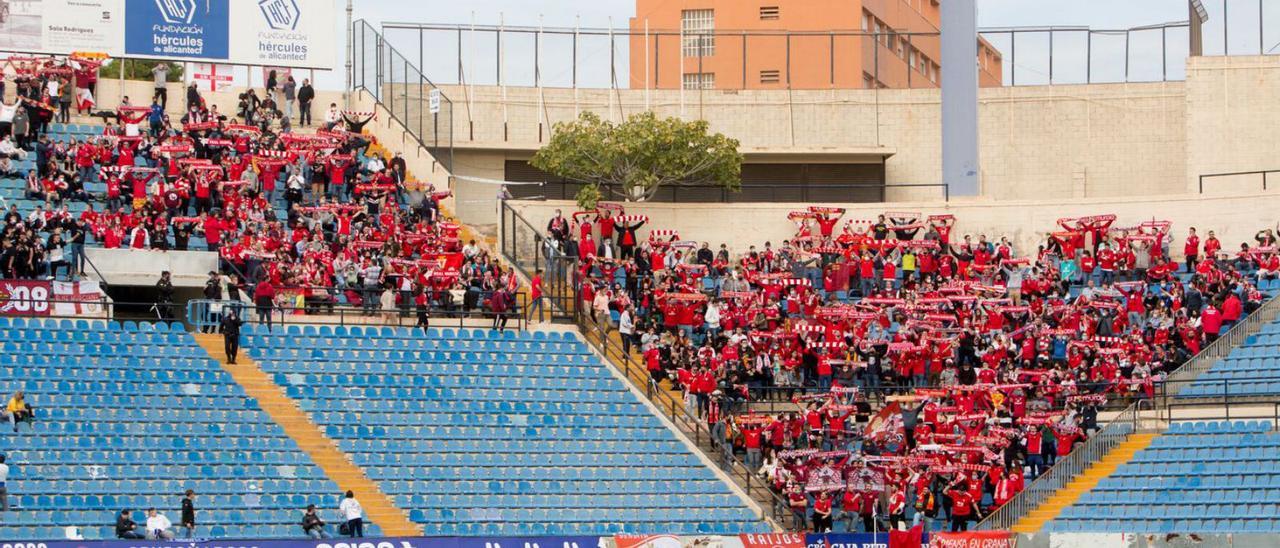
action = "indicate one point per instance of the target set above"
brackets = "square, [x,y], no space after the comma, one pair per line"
[87,175]
[1036,464]
[75,256]
[1137,321]
[536,305]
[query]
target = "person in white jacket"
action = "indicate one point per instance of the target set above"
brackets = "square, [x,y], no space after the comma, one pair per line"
[626,329]
[354,514]
[158,526]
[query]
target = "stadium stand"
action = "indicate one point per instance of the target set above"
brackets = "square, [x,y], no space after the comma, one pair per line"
[998,360]
[12,189]
[1252,369]
[131,415]
[477,432]
[1197,477]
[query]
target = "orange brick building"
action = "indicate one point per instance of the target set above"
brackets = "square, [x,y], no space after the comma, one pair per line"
[796,44]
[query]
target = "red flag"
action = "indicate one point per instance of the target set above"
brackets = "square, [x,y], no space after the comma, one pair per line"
[906,539]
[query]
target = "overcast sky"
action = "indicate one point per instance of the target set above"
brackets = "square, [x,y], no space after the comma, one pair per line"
[441,51]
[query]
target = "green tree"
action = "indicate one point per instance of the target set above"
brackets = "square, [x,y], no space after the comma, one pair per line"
[639,156]
[137,70]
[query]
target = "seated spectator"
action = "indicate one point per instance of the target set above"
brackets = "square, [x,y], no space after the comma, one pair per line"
[158,526]
[312,525]
[18,410]
[9,150]
[126,528]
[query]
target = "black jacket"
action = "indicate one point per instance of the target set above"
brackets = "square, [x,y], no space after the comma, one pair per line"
[164,291]
[231,326]
[311,521]
[213,289]
[306,93]
[188,512]
[124,525]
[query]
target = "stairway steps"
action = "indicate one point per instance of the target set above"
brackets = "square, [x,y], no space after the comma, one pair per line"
[378,507]
[1052,507]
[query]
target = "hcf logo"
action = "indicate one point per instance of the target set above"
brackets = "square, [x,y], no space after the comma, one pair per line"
[177,12]
[280,14]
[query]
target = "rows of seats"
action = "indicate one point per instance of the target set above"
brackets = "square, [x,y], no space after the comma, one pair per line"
[479,432]
[1197,477]
[129,416]
[1251,369]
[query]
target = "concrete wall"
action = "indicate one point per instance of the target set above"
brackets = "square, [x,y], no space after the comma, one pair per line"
[1044,144]
[1050,142]
[1025,222]
[110,91]
[143,266]
[1233,120]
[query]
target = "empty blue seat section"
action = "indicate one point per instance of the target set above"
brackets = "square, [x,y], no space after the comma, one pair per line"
[1250,370]
[131,417]
[1197,477]
[480,433]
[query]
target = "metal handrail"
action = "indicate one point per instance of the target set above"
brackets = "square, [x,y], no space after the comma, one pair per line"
[388,103]
[557,286]
[1262,172]
[508,249]
[199,314]
[1125,423]
[727,196]
[101,279]
[1066,469]
[1218,349]
[108,309]
[737,470]
[1206,410]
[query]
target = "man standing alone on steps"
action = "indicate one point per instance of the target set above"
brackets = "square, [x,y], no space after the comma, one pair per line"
[354,514]
[231,323]
[189,513]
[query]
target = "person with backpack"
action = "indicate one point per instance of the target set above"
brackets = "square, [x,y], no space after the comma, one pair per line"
[354,514]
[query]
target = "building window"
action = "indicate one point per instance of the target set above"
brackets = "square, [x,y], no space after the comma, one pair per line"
[902,48]
[868,81]
[698,27]
[866,21]
[770,13]
[700,80]
[770,76]
[911,58]
[933,73]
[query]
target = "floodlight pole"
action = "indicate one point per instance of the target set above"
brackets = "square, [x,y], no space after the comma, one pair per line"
[351,49]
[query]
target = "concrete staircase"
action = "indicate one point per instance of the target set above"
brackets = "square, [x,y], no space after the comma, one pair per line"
[669,402]
[378,507]
[1081,484]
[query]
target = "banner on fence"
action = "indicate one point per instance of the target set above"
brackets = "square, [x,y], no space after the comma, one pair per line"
[865,540]
[45,298]
[390,542]
[974,539]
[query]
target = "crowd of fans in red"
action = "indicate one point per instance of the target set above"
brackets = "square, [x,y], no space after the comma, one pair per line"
[985,363]
[313,219]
